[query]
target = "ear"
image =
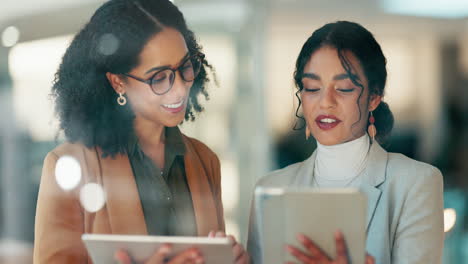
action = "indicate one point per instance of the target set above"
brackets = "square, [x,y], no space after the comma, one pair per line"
[374,102]
[116,82]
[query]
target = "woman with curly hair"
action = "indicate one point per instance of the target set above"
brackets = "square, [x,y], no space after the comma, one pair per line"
[129,78]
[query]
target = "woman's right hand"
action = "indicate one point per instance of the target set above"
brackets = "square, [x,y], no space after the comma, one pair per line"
[315,255]
[188,256]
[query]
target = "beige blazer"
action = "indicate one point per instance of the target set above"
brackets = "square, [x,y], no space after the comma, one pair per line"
[405,221]
[61,219]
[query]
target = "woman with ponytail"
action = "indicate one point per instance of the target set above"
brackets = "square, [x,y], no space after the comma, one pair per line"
[341,75]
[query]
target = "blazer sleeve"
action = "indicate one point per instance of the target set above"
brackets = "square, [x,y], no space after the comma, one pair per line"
[216,175]
[419,237]
[59,221]
[254,247]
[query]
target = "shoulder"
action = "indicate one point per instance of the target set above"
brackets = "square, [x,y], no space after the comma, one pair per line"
[70,149]
[281,177]
[82,154]
[199,147]
[404,170]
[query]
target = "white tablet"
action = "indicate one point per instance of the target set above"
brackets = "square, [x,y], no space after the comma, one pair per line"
[317,213]
[102,248]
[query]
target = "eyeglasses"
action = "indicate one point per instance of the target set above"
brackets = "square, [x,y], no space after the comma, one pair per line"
[162,81]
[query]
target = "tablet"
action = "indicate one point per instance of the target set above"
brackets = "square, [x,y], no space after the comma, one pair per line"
[317,213]
[102,248]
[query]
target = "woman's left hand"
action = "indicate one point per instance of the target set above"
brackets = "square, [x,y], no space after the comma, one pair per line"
[315,254]
[240,255]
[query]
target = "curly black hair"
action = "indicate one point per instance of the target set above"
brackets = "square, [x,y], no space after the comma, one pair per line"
[111,41]
[351,36]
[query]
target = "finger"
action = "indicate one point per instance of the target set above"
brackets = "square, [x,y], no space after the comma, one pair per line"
[232,239]
[187,256]
[199,260]
[244,259]
[341,249]
[220,234]
[370,259]
[298,254]
[122,257]
[313,249]
[160,255]
[212,233]
[237,251]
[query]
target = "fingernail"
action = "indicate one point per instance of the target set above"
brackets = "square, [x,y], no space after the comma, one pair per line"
[165,250]
[232,239]
[301,237]
[338,234]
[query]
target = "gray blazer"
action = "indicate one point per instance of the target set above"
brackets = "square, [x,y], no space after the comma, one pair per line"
[405,207]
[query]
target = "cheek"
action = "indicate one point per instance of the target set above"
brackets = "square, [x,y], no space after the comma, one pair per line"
[307,104]
[143,99]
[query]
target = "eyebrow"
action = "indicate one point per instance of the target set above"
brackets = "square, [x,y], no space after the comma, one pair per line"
[167,66]
[339,77]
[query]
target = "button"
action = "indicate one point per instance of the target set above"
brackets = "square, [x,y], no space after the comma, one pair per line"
[168,198]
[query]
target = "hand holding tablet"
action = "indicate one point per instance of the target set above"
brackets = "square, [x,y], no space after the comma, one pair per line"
[305,221]
[135,249]
[191,255]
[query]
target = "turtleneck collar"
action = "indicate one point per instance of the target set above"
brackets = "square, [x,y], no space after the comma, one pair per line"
[343,161]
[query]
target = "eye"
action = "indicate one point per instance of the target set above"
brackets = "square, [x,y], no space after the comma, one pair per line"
[311,90]
[346,90]
[187,64]
[159,77]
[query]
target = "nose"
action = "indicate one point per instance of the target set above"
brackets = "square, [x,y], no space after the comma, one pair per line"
[328,98]
[180,87]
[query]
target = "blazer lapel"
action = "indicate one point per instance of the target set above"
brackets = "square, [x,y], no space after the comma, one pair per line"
[303,177]
[373,177]
[202,196]
[123,200]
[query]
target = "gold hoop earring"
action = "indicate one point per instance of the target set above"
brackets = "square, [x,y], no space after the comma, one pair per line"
[121,100]
[371,129]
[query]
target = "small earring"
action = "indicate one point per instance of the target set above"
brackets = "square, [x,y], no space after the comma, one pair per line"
[307,132]
[121,100]
[371,129]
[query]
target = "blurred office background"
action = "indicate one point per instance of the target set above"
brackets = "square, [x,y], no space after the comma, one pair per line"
[249,118]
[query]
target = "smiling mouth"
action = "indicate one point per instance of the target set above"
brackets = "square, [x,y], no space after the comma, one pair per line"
[174,106]
[327,120]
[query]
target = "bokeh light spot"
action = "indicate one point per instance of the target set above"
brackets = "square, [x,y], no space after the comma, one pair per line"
[67,172]
[108,44]
[10,36]
[92,197]
[450,217]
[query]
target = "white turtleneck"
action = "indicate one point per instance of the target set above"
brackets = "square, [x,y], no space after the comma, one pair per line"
[341,165]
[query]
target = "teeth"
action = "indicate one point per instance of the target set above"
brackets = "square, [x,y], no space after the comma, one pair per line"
[173,105]
[327,120]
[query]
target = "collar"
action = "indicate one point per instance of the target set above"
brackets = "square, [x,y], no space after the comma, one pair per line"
[174,143]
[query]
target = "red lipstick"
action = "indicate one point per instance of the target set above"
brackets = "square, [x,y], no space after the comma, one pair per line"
[327,122]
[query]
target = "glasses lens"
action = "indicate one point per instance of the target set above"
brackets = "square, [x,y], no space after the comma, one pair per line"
[162,81]
[187,71]
[190,69]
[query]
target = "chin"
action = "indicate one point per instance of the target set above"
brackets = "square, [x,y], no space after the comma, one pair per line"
[175,121]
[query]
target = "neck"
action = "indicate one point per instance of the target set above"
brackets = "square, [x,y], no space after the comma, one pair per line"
[149,133]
